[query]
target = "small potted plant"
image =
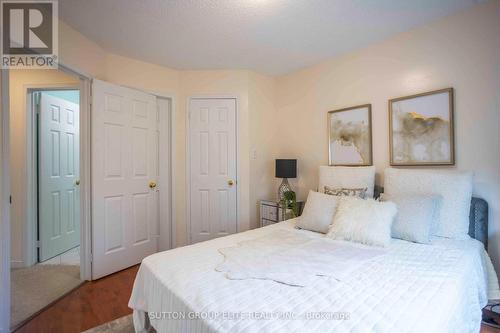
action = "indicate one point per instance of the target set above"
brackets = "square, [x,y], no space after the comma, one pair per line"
[289,205]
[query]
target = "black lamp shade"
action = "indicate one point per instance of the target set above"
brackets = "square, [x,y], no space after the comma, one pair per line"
[286,168]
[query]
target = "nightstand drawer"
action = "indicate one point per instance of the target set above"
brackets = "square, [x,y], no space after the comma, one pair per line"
[270,213]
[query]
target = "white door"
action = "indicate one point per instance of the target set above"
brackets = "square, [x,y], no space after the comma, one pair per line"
[212,147]
[58,173]
[124,173]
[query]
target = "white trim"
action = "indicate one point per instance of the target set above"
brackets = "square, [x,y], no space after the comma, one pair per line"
[188,159]
[4,205]
[165,174]
[85,221]
[85,180]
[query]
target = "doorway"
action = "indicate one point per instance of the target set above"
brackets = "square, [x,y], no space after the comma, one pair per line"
[212,169]
[53,268]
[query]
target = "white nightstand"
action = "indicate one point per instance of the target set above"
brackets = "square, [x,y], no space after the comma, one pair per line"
[271,212]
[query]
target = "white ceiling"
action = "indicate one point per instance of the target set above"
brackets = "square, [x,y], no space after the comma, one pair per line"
[269,36]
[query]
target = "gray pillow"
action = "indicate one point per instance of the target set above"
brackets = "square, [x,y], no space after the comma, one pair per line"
[417,215]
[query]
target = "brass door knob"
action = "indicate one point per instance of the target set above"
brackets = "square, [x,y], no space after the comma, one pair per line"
[152,185]
[77,182]
[230,182]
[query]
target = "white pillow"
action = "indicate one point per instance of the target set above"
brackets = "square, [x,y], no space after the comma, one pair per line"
[454,187]
[366,221]
[318,212]
[347,177]
[417,214]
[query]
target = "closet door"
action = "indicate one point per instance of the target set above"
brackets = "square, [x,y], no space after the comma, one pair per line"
[212,156]
[125,211]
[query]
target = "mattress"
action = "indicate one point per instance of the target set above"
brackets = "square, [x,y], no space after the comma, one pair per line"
[438,287]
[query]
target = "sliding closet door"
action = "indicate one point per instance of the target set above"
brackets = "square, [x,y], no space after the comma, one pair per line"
[125,210]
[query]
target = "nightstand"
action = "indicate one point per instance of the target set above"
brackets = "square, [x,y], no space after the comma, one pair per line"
[271,212]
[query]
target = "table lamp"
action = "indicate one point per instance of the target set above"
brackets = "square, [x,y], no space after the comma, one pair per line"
[285,168]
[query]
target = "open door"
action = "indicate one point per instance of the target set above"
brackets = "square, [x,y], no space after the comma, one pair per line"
[124,175]
[58,176]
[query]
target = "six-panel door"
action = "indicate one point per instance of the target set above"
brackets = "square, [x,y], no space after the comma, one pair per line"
[212,147]
[124,177]
[58,173]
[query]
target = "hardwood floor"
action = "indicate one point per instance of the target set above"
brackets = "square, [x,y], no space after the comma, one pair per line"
[92,304]
[95,303]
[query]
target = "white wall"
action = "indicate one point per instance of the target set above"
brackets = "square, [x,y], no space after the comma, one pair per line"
[461,51]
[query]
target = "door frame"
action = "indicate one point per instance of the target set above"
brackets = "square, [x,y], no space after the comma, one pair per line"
[30,250]
[4,204]
[188,158]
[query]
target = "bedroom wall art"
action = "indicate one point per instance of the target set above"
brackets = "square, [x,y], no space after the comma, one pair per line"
[421,129]
[350,136]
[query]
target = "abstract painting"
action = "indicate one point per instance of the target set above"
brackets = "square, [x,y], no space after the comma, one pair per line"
[350,136]
[421,129]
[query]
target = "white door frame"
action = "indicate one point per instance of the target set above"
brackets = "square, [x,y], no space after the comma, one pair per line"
[188,159]
[30,254]
[4,205]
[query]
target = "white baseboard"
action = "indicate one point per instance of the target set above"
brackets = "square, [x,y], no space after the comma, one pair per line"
[16,264]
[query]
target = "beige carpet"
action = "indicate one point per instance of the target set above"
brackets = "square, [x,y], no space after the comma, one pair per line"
[35,287]
[121,325]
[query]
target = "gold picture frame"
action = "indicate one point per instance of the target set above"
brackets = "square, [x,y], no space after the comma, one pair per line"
[421,129]
[350,136]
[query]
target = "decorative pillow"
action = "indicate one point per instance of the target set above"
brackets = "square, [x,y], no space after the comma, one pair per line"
[454,187]
[346,192]
[318,212]
[366,221]
[347,177]
[416,216]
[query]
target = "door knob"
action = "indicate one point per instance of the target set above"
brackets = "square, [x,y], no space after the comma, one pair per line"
[77,182]
[152,185]
[230,182]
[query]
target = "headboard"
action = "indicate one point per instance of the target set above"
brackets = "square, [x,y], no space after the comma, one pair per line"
[478,217]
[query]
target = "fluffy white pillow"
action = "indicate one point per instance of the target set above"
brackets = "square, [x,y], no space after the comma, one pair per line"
[366,221]
[416,216]
[347,177]
[318,212]
[454,187]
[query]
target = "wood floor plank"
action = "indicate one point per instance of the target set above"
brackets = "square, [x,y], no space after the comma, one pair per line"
[96,303]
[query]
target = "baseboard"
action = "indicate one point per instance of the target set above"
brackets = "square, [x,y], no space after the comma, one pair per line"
[16,264]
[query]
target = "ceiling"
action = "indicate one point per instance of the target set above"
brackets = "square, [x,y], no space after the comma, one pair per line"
[269,36]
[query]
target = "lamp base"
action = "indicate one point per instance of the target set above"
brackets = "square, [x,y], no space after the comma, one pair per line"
[284,187]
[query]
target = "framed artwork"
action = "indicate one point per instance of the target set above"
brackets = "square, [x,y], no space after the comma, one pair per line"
[421,129]
[350,136]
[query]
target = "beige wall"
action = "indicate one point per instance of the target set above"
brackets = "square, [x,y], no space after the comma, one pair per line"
[19,82]
[255,95]
[285,117]
[462,51]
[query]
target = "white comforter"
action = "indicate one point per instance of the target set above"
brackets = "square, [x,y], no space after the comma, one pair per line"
[412,288]
[313,258]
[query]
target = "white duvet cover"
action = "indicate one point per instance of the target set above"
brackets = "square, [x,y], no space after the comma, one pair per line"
[440,287]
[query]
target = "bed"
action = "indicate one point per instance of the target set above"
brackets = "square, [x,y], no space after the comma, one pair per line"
[440,287]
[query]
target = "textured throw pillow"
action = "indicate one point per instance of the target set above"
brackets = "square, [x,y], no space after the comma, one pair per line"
[366,221]
[347,177]
[454,187]
[346,192]
[416,216]
[318,212]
